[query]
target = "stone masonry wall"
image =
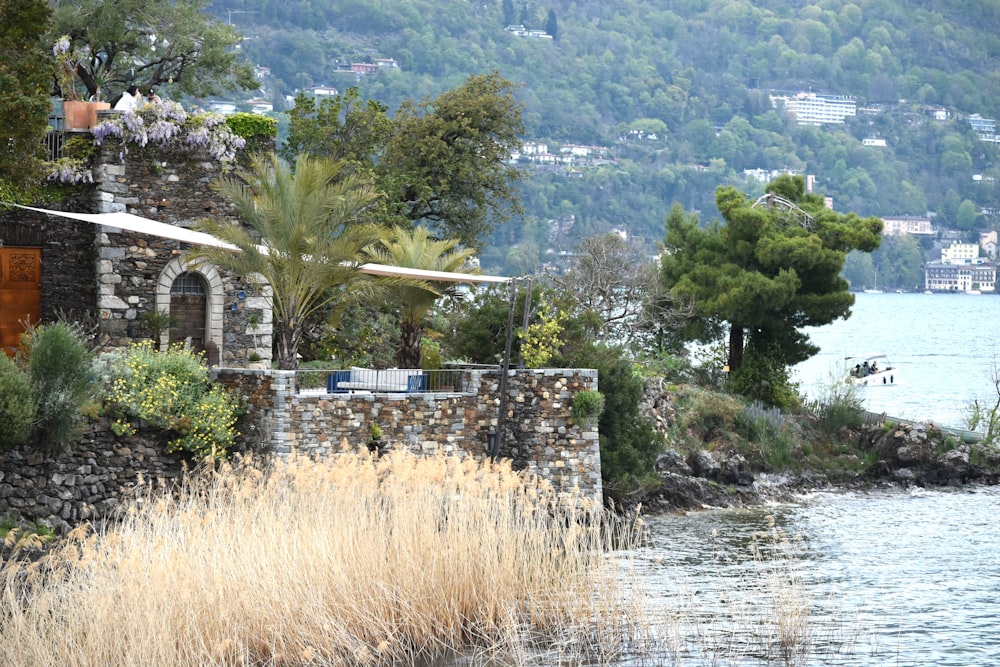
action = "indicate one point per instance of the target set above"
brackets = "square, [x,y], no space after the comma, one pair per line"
[174,188]
[540,436]
[87,484]
[68,255]
[90,482]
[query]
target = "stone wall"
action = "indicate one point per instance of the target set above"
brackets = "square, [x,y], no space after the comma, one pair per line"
[174,188]
[115,277]
[539,434]
[87,484]
[68,255]
[91,481]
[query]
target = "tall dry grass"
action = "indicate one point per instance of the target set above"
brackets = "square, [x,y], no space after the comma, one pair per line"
[352,561]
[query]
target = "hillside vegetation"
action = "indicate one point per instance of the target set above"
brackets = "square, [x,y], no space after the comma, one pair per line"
[694,74]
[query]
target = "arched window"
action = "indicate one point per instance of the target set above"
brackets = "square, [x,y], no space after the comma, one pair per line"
[188,310]
[179,283]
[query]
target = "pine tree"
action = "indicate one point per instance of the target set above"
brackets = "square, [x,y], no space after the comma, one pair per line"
[552,26]
[772,268]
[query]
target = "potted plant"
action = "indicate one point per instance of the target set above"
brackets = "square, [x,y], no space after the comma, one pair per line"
[79,114]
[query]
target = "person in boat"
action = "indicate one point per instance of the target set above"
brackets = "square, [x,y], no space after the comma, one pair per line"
[865,370]
[857,371]
[874,368]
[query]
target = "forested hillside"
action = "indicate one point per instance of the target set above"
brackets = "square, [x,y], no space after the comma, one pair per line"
[678,91]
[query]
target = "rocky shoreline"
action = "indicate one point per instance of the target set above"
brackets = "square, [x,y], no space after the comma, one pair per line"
[901,455]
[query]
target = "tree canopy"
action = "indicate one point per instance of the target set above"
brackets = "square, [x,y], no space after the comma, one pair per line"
[772,268]
[446,162]
[441,163]
[339,127]
[150,43]
[25,78]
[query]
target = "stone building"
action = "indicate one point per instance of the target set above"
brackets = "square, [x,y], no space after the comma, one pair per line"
[132,281]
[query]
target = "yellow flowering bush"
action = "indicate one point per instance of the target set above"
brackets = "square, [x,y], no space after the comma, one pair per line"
[540,341]
[170,390]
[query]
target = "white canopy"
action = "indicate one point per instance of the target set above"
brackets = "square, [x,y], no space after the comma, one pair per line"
[135,223]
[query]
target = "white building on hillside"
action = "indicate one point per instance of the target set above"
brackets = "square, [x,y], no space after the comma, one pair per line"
[813,109]
[961,269]
[906,224]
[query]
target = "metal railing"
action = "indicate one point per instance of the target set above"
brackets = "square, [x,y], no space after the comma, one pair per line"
[389,380]
[53,143]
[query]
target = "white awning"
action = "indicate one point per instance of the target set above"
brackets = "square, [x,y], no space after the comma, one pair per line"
[135,223]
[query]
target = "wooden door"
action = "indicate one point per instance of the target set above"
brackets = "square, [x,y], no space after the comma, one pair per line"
[20,293]
[188,311]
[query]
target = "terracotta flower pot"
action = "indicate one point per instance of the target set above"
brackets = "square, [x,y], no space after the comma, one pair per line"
[82,115]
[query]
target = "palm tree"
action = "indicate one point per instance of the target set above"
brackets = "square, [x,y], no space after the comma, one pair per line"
[415,249]
[304,236]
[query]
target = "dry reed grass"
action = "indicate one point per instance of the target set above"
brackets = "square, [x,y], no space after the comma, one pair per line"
[352,561]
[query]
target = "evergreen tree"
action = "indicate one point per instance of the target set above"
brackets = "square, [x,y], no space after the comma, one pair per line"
[26,80]
[772,268]
[507,8]
[525,18]
[552,26]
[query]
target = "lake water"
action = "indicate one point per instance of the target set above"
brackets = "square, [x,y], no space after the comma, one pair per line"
[945,346]
[902,578]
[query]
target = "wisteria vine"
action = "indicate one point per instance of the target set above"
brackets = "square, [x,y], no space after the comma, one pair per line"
[166,125]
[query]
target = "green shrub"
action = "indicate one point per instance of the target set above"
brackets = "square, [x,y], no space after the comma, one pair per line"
[765,427]
[629,442]
[170,390]
[430,354]
[840,405]
[708,410]
[764,377]
[587,404]
[249,125]
[671,368]
[17,409]
[59,365]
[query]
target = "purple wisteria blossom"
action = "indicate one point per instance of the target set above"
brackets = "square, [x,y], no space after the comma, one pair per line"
[167,124]
[69,171]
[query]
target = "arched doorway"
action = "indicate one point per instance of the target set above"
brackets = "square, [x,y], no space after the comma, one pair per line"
[210,309]
[188,310]
[20,293]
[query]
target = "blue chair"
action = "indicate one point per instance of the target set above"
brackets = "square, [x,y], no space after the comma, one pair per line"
[334,379]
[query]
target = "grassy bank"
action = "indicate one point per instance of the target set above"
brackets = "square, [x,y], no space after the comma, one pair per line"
[346,562]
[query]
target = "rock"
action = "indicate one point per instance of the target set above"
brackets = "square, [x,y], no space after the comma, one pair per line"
[735,470]
[672,461]
[703,464]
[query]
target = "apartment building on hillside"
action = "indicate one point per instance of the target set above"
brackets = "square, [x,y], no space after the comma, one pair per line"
[815,109]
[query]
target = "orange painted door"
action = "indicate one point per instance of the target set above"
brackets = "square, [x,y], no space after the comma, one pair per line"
[20,293]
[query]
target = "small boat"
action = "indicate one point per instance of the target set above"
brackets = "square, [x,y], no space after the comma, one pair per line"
[871,370]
